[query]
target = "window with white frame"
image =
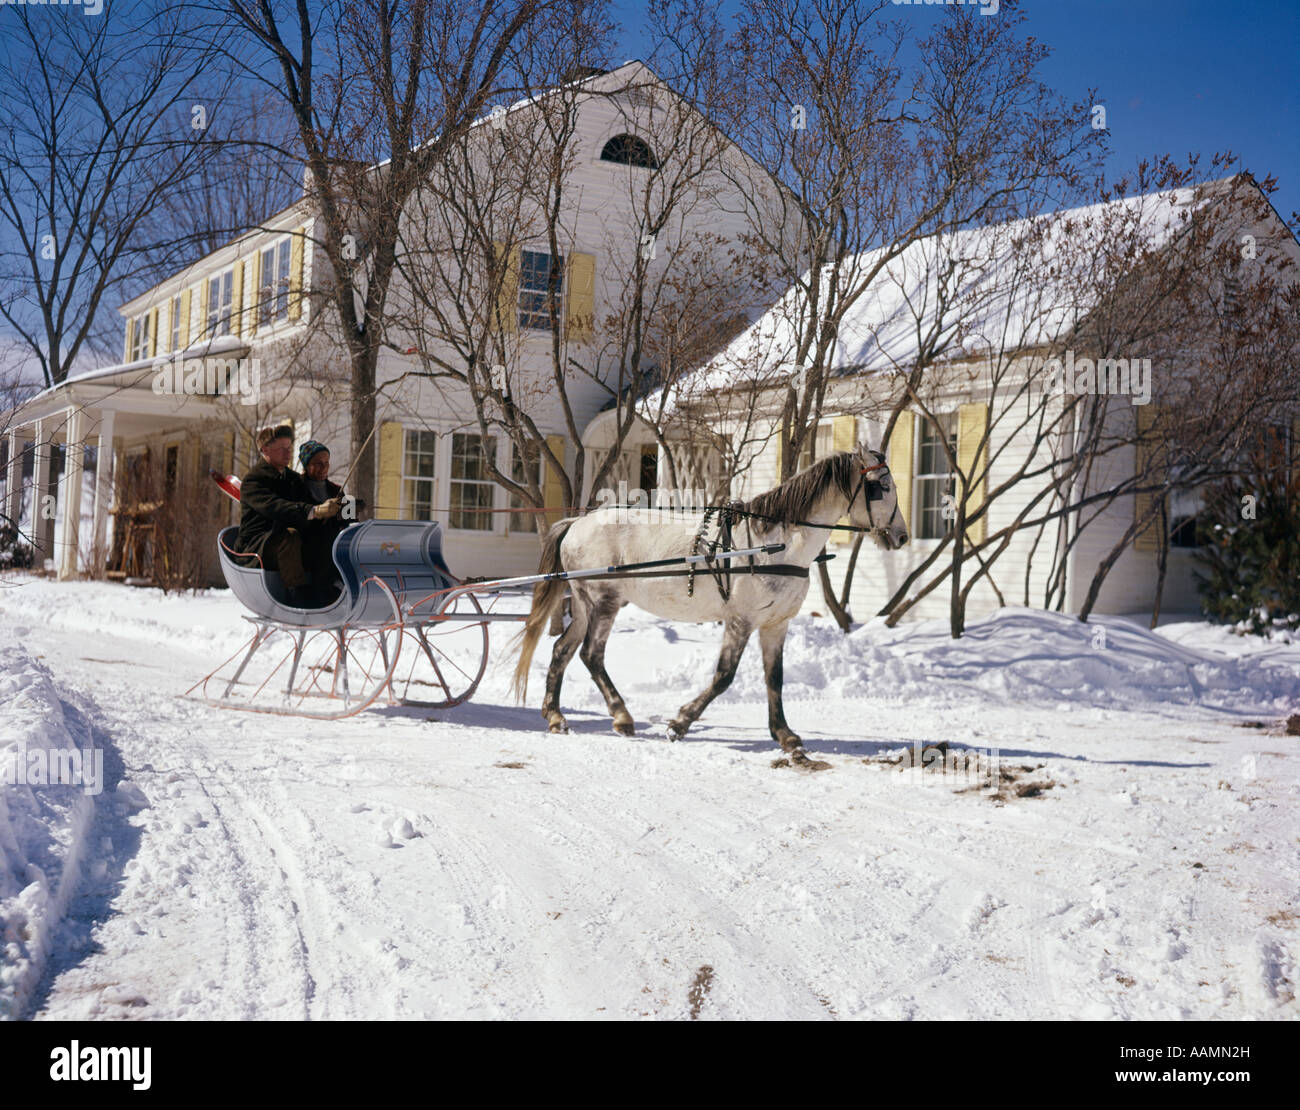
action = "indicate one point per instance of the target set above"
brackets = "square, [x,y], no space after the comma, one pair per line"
[934,478]
[220,299]
[140,337]
[273,297]
[418,471]
[524,518]
[471,488]
[541,283]
[176,324]
[825,441]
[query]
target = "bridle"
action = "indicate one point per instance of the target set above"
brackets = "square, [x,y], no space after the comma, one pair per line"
[871,490]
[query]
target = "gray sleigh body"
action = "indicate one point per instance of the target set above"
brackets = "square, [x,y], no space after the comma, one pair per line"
[374,558]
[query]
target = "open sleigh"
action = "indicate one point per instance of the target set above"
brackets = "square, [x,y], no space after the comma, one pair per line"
[403,630]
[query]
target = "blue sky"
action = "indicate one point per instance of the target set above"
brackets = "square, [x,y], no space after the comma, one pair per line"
[1176,76]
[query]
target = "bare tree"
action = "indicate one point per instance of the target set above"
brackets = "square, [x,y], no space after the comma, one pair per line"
[876,156]
[98,130]
[669,296]
[1119,283]
[380,93]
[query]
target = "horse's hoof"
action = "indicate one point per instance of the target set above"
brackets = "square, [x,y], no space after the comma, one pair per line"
[800,761]
[625,727]
[557,724]
[677,729]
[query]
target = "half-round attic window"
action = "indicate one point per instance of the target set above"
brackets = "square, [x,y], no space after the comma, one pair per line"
[630,151]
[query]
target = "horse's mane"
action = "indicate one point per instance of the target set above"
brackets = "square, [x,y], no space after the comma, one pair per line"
[794,498]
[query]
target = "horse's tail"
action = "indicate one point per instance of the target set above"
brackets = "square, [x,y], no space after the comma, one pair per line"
[548,598]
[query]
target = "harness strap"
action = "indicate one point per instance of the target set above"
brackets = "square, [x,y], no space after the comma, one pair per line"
[788,570]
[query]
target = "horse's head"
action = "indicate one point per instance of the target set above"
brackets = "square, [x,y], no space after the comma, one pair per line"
[874,503]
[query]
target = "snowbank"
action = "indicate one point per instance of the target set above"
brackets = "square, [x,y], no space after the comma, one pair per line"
[1014,656]
[1018,656]
[44,828]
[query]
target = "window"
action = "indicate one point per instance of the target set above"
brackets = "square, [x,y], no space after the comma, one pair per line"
[220,291]
[541,281]
[1184,507]
[933,478]
[273,297]
[140,338]
[825,440]
[629,151]
[171,468]
[176,323]
[471,487]
[418,474]
[650,467]
[526,519]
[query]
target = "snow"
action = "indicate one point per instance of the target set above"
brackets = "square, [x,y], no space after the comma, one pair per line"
[1138,859]
[43,828]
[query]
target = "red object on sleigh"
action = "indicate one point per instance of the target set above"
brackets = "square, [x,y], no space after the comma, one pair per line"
[229,483]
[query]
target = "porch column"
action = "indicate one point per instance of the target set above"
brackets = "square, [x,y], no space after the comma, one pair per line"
[42,515]
[13,505]
[105,478]
[74,471]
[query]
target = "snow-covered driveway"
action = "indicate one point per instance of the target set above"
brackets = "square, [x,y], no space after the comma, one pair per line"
[1140,858]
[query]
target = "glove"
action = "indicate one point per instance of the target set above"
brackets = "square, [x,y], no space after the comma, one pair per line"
[326,509]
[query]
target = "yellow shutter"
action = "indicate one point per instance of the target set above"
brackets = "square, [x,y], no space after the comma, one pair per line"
[508,292]
[1147,418]
[580,311]
[391,445]
[153,333]
[237,300]
[295,276]
[203,309]
[165,326]
[900,463]
[185,319]
[553,485]
[972,459]
[130,333]
[844,437]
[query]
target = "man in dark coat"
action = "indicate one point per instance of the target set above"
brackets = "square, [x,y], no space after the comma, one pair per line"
[277,510]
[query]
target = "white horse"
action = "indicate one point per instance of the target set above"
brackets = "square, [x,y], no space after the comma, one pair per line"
[798,513]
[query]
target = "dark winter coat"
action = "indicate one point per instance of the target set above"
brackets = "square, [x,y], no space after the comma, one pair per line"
[271,501]
[324,531]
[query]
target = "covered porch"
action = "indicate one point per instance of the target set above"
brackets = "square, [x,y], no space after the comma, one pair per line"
[71,450]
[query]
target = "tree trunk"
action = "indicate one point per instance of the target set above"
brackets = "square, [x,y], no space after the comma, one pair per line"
[365,436]
[841,614]
[957,602]
[1163,563]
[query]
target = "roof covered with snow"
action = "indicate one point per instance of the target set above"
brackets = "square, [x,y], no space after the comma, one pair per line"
[999,287]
